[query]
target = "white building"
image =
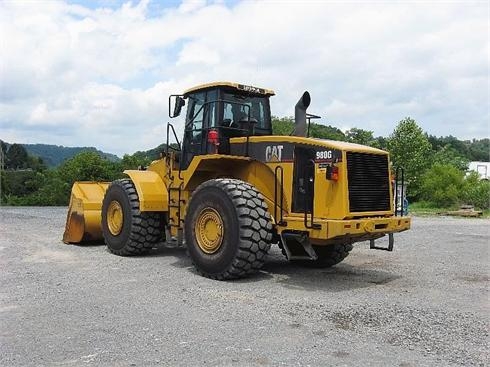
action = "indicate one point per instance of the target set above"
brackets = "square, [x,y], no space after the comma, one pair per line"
[483,169]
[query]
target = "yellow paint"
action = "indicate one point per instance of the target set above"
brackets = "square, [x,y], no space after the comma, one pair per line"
[331,144]
[209,230]
[84,212]
[268,92]
[152,193]
[163,188]
[115,217]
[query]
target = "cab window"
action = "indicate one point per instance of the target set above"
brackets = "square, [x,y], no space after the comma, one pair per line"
[195,113]
[237,108]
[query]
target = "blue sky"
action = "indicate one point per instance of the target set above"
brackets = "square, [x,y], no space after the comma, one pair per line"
[99,73]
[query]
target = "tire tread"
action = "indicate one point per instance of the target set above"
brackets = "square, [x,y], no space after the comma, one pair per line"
[255,228]
[146,227]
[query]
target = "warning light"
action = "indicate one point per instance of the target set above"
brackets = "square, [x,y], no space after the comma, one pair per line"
[213,139]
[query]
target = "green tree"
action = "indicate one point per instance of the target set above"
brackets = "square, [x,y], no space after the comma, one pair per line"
[441,185]
[410,149]
[3,154]
[134,161]
[326,132]
[282,126]
[360,136]
[285,126]
[16,157]
[87,166]
[448,155]
[476,191]
[479,150]
[380,142]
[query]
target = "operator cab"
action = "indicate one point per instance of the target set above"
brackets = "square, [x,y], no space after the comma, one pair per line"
[217,112]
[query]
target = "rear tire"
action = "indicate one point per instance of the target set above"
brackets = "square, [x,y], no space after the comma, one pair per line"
[126,230]
[328,256]
[228,229]
[331,255]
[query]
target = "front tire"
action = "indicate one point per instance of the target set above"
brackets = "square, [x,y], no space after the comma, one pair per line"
[126,230]
[228,229]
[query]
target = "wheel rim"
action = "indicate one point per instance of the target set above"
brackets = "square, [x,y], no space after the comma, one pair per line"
[115,217]
[209,230]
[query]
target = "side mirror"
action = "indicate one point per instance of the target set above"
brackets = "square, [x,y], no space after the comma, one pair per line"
[177,102]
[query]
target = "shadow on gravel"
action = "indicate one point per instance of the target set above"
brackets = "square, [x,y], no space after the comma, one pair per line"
[184,262]
[341,277]
[87,244]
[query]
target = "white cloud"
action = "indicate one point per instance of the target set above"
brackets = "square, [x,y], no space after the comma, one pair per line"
[77,76]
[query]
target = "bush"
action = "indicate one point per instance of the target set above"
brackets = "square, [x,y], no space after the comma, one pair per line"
[476,192]
[441,185]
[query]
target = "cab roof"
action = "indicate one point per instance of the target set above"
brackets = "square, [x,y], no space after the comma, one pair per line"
[237,86]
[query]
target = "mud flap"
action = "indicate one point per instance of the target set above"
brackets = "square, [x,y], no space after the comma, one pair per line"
[84,213]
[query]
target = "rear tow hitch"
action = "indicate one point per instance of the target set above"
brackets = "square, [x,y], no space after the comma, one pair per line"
[391,242]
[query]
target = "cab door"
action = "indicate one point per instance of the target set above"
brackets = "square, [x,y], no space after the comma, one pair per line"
[201,115]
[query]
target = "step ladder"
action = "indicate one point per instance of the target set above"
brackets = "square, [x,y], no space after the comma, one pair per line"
[175,203]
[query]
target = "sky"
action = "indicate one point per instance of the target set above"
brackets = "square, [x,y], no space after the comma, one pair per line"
[99,73]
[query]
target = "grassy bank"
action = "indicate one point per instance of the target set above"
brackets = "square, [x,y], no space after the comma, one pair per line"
[425,209]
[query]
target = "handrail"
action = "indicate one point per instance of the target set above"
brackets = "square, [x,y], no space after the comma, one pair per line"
[167,146]
[312,224]
[402,185]
[279,222]
[310,117]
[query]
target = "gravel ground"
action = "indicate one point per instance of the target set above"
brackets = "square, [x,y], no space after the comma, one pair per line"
[425,304]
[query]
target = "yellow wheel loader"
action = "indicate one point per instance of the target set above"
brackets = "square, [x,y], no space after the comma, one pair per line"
[231,189]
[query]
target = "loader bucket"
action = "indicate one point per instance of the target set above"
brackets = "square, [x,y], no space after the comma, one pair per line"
[83,222]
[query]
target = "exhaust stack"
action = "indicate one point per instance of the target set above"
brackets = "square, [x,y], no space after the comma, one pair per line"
[300,114]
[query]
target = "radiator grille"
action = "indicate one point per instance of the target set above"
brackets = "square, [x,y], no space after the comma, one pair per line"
[369,185]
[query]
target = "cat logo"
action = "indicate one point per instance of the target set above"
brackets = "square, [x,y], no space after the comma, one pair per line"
[273,153]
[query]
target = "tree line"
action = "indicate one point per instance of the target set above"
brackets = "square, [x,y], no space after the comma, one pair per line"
[435,167]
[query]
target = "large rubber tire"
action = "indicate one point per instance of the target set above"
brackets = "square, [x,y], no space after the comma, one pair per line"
[246,229]
[140,230]
[330,255]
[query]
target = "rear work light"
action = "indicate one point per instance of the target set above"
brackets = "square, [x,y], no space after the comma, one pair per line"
[332,173]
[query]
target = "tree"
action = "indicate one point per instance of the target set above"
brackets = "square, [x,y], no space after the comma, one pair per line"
[410,149]
[3,154]
[479,150]
[449,155]
[285,126]
[134,161]
[360,136]
[88,166]
[380,142]
[476,191]
[282,126]
[326,132]
[441,185]
[16,157]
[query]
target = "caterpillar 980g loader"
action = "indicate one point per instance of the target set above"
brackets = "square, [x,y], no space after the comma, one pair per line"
[231,189]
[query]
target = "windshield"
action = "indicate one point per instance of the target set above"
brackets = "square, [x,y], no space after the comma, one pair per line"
[236,107]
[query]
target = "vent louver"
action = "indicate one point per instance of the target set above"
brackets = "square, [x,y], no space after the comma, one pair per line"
[369,186]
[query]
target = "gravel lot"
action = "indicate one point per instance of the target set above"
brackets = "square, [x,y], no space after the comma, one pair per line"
[425,304]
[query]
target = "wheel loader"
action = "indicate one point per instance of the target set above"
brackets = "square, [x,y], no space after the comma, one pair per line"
[231,189]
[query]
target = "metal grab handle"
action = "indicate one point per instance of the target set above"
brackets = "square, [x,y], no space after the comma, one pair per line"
[401,185]
[310,225]
[281,205]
